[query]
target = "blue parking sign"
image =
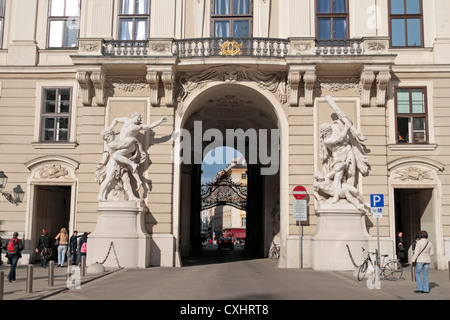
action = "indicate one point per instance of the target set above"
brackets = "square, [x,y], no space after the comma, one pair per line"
[376,200]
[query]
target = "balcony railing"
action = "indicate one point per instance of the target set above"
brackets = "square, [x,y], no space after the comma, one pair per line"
[130,48]
[339,47]
[253,47]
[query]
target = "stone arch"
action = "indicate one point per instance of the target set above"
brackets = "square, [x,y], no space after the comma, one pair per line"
[274,104]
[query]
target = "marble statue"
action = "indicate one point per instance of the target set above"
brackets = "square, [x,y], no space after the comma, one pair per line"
[343,157]
[122,158]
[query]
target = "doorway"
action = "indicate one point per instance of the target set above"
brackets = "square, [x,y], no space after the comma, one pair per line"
[414,211]
[51,212]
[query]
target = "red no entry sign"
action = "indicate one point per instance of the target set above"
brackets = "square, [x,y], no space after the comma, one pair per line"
[299,192]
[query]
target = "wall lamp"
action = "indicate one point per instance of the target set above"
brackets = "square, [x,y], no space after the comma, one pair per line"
[18,193]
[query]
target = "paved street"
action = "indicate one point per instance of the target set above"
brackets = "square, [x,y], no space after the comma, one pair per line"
[223,276]
[230,275]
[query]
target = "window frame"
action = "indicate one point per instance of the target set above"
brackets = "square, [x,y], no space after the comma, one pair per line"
[333,15]
[133,17]
[45,115]
[2,21]
[51,18]
[232,18]
[412,115]
[406,16]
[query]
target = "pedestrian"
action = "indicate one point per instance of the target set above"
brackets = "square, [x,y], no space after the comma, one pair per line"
[14,247]
[421,259]
[63,240]
[83,246]
[417,238]
[73,244]
[1,248]
[44,247]
[401,247]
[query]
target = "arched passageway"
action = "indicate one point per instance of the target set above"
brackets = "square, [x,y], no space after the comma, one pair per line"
[242,118]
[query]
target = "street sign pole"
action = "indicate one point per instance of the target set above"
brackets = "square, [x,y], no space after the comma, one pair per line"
[377,208]
[300,214]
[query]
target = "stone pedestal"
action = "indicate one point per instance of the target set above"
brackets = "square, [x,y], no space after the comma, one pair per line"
[339,225]
[122,223]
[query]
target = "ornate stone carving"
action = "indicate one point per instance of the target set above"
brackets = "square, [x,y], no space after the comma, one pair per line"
[376,46]
[352,84]
[53,171]
[92,80]
[275,83]
[343,156]
[412,173]
[129,85]
[84,80]
[367,78]
[89,47]
[122,160]
[383,78]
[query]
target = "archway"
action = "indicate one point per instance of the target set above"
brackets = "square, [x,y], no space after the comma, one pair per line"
[252,120]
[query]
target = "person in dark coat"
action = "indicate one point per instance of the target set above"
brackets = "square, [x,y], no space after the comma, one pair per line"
[44,246]
[73,245]
[401,247]
[14,255]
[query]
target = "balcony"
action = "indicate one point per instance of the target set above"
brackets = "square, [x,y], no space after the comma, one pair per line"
[234,47]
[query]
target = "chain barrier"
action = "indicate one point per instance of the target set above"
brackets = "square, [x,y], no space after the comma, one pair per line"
[351,257]
[115,254]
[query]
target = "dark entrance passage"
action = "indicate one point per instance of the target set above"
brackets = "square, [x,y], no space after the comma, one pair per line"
[239,117]
[413,212]
[51,212]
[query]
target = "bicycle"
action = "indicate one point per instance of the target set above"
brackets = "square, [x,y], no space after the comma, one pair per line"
[275,251]
[391,269]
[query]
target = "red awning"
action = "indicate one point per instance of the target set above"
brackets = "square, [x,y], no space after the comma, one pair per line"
[235,233]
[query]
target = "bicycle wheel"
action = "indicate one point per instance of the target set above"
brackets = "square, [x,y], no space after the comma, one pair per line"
[362,271]
[393,270]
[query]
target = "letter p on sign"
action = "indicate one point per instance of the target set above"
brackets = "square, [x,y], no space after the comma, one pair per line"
[376,200]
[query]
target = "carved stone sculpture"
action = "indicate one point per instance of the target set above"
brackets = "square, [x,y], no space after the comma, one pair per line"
[343,156]
[122,159]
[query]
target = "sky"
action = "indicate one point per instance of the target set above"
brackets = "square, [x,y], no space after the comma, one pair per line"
[216,160]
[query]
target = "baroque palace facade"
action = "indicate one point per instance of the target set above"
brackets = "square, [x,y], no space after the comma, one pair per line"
[69,67]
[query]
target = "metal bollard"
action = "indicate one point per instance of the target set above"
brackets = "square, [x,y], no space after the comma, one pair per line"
[2,284]
[83,266]
[51,273]
[449,271]
[30,269]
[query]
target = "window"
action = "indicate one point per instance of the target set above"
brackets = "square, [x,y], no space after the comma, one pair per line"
[243,176]
[406,23]
[231,18]
[2,21]
[411,115]
[55,114]
[134,19]
[63,23]
[332,19]
[243,222]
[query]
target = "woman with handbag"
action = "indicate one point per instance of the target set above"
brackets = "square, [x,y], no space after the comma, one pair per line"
[63,241]
[44,247]
[422,259]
